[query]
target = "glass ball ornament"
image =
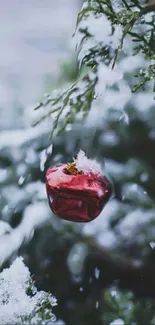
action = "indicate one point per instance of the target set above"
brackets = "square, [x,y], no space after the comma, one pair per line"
[77,191]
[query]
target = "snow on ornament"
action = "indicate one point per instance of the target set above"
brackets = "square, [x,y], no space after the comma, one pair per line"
[77,191]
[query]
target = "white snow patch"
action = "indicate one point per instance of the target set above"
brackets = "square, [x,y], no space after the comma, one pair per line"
[97,304]
[108,239]
[87,165]
[144,177]
[36,189]
[19,137]
[15,304]
[43,158]
[118,321]
[143,101]
[4,228]
[101,34]
[44,155]
[50,149]
[3,175]
[152,244]
[100,227]
[130,63]
[21,180]
[107,78]
[34,217]
[59,322]
[97,273]
[135,222]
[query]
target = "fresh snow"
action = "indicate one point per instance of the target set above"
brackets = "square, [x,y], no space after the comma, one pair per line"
[35,216]
[136,223]
[96,25]
[17,138]
[44,155]
[87,165]
[15,304]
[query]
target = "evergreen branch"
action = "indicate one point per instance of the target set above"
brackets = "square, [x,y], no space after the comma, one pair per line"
[136,15]
[127,28]
[73,98]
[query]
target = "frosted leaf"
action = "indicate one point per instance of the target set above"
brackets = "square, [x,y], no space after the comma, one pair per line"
[16,305]
[87,165]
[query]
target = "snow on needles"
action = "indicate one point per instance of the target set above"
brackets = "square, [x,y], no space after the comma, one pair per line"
[100,30]
[15,304]
[87,165]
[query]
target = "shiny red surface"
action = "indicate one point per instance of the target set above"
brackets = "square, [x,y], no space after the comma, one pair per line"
[77,198]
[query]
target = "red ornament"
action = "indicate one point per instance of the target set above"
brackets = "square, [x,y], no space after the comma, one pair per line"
[76,195]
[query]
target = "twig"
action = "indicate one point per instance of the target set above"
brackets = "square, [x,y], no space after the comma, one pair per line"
[115,58]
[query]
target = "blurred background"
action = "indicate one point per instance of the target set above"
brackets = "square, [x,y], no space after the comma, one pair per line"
[102,273]
[35,37]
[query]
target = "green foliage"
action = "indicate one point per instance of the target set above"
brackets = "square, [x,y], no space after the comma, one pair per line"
[43,312]
[76,99]
[144,75]
[128,308]
[130,17]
